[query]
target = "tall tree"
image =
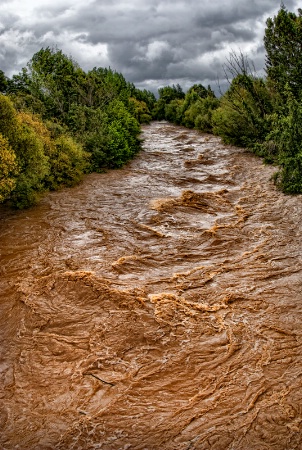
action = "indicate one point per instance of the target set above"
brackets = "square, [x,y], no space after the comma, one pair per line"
[3,81]
[166,95]
[283,44]
[50,78]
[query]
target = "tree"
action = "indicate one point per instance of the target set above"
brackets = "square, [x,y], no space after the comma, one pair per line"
[139,110]
[243,116]
[107,85]
[286,140]
[143,96]
[68,163]
[169,93]
[199,90]
[283,44]
[3,81]
[173,111]
[166,95]
[199,114]
[50,78]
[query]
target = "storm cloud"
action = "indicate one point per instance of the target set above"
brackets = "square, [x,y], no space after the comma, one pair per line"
[153,43]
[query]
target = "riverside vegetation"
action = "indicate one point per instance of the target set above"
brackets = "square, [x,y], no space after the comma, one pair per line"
[263,115]
[58,122]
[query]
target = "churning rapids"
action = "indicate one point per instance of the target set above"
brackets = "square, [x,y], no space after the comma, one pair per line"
[156,307]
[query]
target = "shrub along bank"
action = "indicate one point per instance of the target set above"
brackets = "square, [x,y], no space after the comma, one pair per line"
[58,122]
[264,115]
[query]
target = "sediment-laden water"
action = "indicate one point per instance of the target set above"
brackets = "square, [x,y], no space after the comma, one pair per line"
[155,307]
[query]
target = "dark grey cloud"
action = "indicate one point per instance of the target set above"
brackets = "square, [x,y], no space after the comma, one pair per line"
[152,42]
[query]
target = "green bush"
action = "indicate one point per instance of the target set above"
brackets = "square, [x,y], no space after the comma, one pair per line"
[39,158]
[28,147]
[167,94]
[114,139]
[173,111]
[68,162]
[243,116]
[34,166]
[123,131]
[8,169]
[8,118]
[199,114]
[140,110]
[286,136]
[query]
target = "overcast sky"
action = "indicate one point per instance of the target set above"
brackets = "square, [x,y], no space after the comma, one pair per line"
[152,42]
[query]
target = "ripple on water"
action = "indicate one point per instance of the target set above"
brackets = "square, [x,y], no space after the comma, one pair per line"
[155,307]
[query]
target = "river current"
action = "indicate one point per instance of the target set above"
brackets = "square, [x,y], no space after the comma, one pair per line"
[155,307]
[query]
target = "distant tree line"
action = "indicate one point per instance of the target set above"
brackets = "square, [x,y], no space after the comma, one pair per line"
[58,122]
[264,115]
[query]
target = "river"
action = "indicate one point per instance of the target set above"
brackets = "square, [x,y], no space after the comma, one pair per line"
[155,307]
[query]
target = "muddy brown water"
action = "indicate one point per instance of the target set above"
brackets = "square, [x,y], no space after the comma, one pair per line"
[155,307]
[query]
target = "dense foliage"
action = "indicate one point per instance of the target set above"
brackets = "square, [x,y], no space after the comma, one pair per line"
[58,122]
[193,109]
[264,115]
[283,44]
